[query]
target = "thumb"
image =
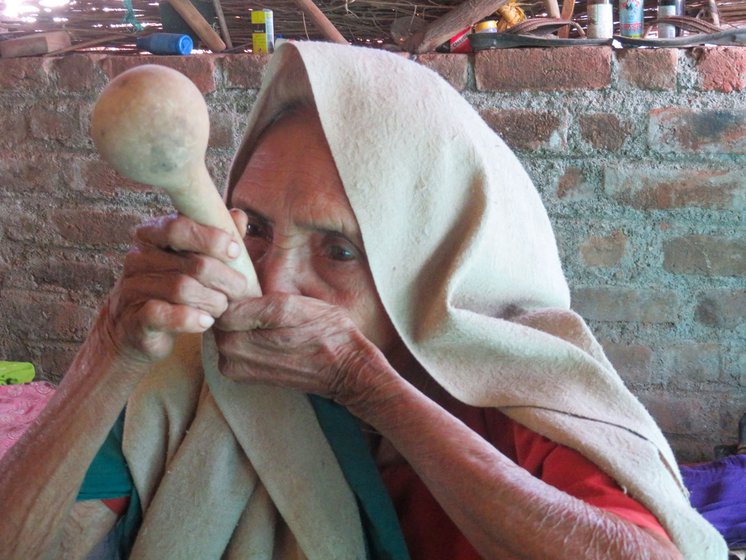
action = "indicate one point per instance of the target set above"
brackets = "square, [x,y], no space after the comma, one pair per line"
[240,219]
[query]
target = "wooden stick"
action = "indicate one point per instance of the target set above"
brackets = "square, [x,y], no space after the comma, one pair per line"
[106,39]
[223,25]
[712,7]
[34,44]
[568,7]
[446,26]
[321,21]
[552,8]
[198,24]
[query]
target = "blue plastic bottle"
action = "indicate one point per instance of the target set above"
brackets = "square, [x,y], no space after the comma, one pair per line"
[166,43]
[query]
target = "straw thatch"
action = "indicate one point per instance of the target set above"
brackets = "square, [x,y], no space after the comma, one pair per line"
[101,23]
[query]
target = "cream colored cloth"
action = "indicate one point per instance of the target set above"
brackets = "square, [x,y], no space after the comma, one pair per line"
[465,262]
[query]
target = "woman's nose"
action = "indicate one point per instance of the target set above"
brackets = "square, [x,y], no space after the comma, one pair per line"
[279,271]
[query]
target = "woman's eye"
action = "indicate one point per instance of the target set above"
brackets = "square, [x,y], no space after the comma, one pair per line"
[256,230]
[340,253]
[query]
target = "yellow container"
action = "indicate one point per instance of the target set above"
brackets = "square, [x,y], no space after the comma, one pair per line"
[489,26]
[262,31]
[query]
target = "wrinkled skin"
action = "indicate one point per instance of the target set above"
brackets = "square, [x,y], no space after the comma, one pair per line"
[319,327]
[319,316]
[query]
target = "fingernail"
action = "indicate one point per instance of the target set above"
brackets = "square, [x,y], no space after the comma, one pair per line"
[206,321]
[234,249]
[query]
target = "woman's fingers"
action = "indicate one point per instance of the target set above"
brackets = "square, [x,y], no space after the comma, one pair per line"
[178,233]
[162,316]
[175,288]
[146,332]
[240,219]
[208,271]
[294,341]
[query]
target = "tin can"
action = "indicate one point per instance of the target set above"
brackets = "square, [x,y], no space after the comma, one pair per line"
[262,31]
[600,19]
[488,26]
[630,18]
[668,8]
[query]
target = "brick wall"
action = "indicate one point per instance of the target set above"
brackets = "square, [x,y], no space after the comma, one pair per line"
[639,156]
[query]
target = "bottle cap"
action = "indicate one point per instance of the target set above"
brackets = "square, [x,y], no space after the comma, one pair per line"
[488,26]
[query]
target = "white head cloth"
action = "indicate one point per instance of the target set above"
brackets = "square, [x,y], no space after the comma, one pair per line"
[465,262]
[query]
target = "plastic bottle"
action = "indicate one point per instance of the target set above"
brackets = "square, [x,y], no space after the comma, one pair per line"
[166,43]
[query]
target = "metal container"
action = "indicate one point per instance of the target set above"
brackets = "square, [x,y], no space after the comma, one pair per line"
[667,8]
[600,19]
[630,18]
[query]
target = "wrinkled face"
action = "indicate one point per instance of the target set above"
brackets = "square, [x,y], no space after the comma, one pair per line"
[302,236]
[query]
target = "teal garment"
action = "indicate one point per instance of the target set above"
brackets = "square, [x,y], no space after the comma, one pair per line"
[109,477]
[383,535]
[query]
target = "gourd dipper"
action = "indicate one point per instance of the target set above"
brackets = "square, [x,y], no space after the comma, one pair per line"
[151,125]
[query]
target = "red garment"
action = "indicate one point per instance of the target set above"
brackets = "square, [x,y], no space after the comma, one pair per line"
[117,505]
[431,535]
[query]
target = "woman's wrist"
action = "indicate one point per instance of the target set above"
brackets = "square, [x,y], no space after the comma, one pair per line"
[378,386]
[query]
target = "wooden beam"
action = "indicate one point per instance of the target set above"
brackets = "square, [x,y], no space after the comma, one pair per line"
[321,21]
[34,44]
[198,24]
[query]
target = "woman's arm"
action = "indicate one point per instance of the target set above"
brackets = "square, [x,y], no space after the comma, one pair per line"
[162,293]
[41,474]
[503,510]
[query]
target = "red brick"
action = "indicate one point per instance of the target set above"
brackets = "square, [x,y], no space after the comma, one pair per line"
[98,177]
[243,71]
[78,73]
[653,69]
[705,255]
[528,130]
[45,316]
[54,360]
[691,362]
[680,414]
[600,251]
[722,308]
[574,185]
[34,174]
[71,275]
[59,122]
[658,188]
[611,303]
[721,68]
[721,131]
[15,129]
[604,131]
[736,366]
[569,68]
[731,410]
[453,67]
[632,361]
[198,68]
[27,222]
[24,74]
[96,227]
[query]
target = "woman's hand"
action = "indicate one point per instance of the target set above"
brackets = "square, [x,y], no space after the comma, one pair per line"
[176,280]
[298,342]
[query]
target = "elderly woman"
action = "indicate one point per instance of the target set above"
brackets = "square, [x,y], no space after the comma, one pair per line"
[411,286]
